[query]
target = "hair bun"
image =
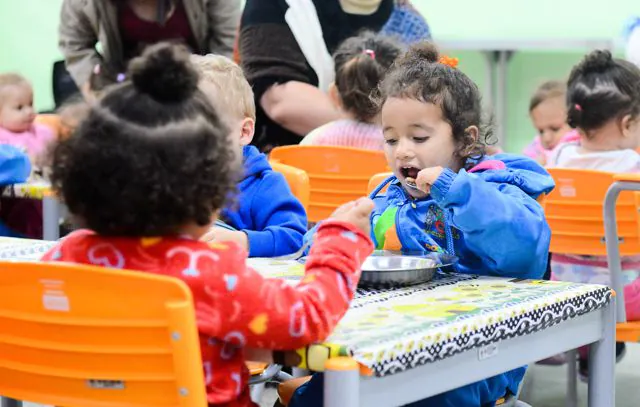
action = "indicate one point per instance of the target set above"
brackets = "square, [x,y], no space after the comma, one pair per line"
[422,51]
[164,72]
[597,61]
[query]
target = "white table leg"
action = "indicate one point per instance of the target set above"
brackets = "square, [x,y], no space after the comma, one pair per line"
[572,378]
[501,97]
[342,384]
[50,218]
[489,94]
[602,362]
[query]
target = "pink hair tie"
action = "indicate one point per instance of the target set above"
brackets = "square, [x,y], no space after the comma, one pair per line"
[370,52]
[578,107]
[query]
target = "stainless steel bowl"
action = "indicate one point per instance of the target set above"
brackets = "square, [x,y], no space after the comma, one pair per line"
[393,269]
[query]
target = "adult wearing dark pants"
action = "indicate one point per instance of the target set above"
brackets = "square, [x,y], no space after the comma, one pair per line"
[290,83]
[125,27]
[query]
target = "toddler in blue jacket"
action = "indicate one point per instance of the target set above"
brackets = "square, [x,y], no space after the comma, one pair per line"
[268,219]
[446,195]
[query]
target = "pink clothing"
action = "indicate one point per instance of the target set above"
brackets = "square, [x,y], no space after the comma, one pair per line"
[346,133]
[535,149]
[594,269]
[34,141]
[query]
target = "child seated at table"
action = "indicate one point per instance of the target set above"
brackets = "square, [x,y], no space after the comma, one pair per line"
[17,128]
[445,196]
[548,113]
[270,221]
[604,105]
[361,62]
[17,116]
[146,173]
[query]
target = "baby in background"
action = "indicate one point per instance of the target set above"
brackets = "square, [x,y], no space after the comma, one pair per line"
[270,221]
[17,116]
[548,114]
[361,62]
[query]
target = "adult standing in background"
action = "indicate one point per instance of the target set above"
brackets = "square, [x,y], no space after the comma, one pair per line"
[125,27]
[285,51]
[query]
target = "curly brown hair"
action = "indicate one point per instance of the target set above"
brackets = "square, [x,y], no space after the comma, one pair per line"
[151,156]
[419,75]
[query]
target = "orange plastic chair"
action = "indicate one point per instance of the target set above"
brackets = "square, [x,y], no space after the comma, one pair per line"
[337,174]
[574,211]
[78,336]
[377,180]
[298,181]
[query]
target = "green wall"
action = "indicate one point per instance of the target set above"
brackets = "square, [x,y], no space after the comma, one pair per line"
[28,41]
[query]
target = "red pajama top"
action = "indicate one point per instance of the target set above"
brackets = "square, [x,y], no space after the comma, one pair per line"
[235,306]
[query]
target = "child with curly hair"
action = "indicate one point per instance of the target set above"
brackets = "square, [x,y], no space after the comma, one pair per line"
[146,173]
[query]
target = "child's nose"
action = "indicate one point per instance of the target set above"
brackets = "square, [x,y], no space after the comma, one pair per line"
[404,150]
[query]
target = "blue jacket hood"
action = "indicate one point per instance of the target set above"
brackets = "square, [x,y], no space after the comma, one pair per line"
[254,162]
[273,219]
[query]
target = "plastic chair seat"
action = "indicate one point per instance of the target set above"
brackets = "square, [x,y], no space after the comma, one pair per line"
[286,389]
[628,332]
[256,368]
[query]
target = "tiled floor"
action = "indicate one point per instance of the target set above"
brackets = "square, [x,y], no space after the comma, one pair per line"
[549,384]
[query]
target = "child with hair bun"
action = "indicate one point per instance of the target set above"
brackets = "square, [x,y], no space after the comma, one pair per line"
[603,104]
[146,173]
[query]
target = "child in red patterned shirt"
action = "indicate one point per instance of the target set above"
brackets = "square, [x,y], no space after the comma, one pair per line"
[146,173]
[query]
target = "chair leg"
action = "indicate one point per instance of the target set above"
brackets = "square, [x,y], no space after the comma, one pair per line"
[572,378]
[11,402]
[526,390]
[257,390]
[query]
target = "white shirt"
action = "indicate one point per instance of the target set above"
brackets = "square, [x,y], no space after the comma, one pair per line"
[569,156]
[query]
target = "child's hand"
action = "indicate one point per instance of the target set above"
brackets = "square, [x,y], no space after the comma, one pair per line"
[218,234]
[356,212]
[427,177]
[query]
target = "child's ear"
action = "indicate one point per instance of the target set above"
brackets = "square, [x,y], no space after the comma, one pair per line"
[247,131]
[471,135]
[334,95]
[625,125]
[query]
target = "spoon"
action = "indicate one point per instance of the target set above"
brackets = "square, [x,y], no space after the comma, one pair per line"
[411,183]
[296,255]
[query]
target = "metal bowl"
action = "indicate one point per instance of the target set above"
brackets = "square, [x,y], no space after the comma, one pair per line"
[385,269]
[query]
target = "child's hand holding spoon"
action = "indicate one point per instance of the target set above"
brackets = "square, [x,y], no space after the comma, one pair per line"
[425,179]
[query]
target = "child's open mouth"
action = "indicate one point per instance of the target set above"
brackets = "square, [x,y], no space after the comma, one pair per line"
[410,172]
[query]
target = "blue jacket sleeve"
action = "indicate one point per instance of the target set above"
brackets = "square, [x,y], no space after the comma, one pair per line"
[279,218]
[500,223]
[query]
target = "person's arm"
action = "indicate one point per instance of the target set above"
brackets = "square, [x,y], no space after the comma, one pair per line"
[280,220]
[223,19]
[247,309]
[298,107]
[284,85]
[77,42]
[500,222]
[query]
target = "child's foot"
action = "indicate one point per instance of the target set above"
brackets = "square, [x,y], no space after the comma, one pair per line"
[583,363]
[555,360]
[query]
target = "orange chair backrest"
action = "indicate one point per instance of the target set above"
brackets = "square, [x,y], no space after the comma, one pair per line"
[78,336]
[377,180]
[298,181]
[574,212]
[337,174]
